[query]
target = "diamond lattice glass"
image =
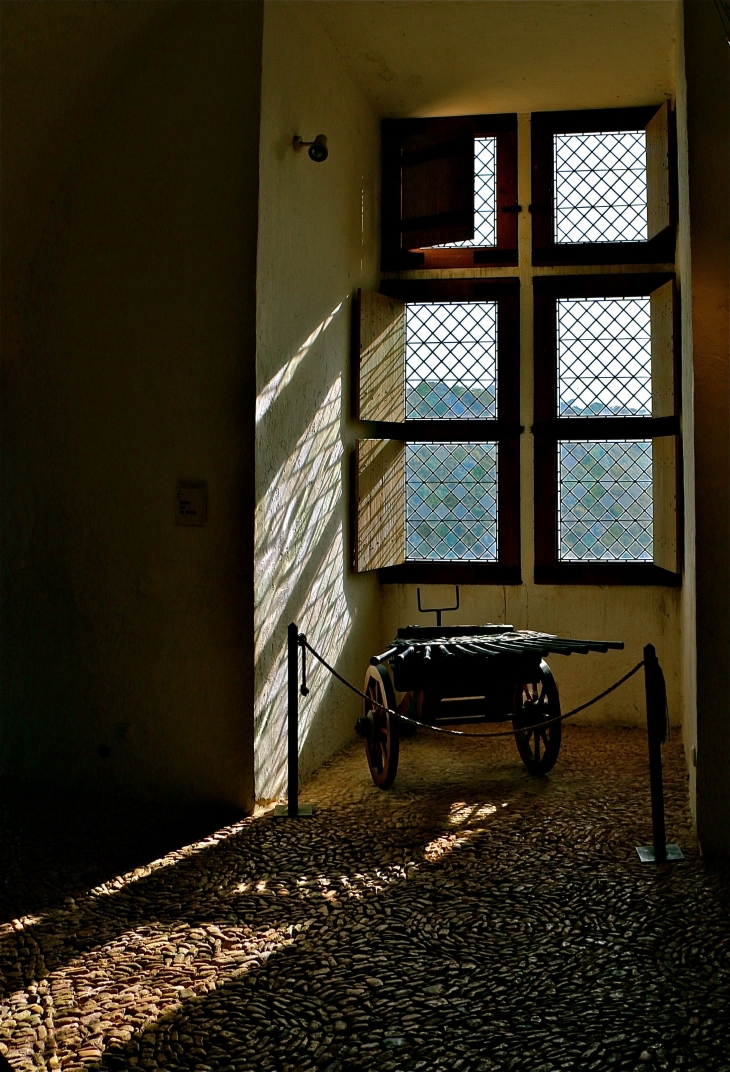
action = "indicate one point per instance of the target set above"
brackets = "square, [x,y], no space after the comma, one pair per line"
[600,187]
[604,357]
[451,502]
[451,360]
[605,502]
[485,197]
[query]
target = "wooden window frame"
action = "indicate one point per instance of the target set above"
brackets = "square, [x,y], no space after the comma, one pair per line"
[393,257]
[505,430]
[545,251]
[549,429]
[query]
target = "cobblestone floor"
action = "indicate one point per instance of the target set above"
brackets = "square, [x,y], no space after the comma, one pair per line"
[472,918]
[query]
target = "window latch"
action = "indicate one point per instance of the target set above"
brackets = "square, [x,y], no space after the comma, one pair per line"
[511,208]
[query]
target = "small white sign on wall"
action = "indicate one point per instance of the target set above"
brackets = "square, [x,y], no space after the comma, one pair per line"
[191,503]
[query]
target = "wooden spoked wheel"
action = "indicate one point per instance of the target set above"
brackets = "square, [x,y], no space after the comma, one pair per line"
[536,702]
[382,741]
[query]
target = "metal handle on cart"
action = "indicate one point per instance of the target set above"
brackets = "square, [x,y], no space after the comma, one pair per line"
[437,610]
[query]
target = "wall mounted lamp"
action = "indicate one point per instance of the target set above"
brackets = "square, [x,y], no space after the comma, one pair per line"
[318,150]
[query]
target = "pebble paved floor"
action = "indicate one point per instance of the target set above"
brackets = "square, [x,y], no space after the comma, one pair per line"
[470,918]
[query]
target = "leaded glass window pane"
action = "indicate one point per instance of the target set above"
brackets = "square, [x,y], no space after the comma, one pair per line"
[485,197]
[451,502]
[604,357]
[600,187]
[451,360]
[605,501]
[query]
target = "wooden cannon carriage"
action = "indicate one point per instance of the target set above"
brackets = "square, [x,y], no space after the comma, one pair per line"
[480,673]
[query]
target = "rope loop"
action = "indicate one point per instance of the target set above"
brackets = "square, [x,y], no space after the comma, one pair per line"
[302,641]
[442,729]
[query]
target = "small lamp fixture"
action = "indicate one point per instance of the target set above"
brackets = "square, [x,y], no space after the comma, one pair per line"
[318,150]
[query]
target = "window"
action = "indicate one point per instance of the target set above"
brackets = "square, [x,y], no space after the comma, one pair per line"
[603,187]
[600,187]
[437,487]
[606,431]
[449,192]
[451,502]
[437,484]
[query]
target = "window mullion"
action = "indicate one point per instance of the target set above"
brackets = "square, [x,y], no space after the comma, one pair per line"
[607,427]
[455,431]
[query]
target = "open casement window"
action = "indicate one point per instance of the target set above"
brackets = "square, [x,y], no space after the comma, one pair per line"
[607,442]
[380,495]
[603,186]
[436,483]
[449,192]
[379,343]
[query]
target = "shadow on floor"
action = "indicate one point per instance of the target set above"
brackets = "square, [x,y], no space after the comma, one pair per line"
[471,918]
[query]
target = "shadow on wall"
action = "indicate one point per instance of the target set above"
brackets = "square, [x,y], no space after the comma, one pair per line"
[300,561]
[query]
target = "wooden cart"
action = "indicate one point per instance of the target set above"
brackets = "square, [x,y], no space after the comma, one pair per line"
[479,673]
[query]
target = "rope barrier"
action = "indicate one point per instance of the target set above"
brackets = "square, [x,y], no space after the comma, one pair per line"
[305,645]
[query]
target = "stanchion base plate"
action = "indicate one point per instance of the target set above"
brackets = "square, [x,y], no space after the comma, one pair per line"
[304,811]
[646,853]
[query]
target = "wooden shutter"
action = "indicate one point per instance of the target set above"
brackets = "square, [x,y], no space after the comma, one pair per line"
[658,175]
[380,530]
[665,469]
[380,357]
[663,360]
[665,449]
[437,183]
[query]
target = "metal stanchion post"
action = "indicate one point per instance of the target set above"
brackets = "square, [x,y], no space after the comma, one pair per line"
[292,809]
[656,725]
[292,720]
[656,732]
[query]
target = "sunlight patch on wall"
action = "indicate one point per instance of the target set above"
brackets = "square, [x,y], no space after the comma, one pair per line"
[299,576]
[325,618]
[274,388]
[293,513]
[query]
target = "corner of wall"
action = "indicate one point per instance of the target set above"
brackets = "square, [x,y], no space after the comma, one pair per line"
[684,281]
[318,241]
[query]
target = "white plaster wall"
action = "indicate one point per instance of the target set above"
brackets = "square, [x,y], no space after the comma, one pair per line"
[707,70]
[317,243]
[688,606]
[438,57]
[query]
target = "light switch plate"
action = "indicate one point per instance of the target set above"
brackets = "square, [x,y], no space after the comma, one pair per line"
[191,503]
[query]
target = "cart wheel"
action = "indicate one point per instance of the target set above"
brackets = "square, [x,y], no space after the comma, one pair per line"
[534,702]
[382,743]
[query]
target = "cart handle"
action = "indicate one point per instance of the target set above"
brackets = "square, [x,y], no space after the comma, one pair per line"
[437,610]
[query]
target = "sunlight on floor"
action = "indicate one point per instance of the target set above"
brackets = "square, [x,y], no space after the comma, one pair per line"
[388,922]
[469,818]
[125,987]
